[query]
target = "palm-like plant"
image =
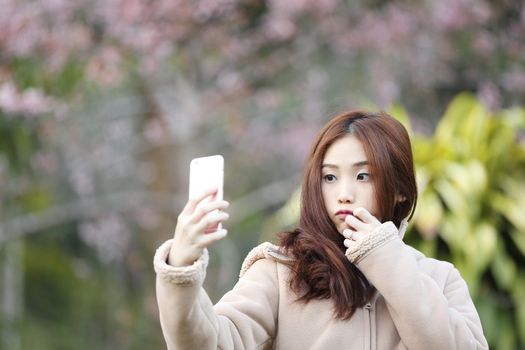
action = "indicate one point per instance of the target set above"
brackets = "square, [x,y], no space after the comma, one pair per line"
[471,209]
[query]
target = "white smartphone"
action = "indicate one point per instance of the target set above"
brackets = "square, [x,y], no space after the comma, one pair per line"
[207,172]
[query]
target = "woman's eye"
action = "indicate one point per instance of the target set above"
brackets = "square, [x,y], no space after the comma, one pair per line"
[329,178]
[363,177]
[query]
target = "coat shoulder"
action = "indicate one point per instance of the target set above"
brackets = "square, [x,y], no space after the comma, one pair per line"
[264,250]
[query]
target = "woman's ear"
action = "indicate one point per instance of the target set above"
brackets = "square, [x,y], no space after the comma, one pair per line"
[400,198]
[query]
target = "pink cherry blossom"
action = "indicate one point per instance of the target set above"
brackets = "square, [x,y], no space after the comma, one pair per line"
[30,102]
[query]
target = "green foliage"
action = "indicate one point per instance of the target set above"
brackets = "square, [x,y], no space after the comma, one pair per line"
[17,143]
[62,82]
[49,282]
[470,209]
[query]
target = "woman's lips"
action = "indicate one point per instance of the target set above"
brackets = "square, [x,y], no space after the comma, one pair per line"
[343,213]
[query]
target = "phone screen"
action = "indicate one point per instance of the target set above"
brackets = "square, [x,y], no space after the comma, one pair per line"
[207,172]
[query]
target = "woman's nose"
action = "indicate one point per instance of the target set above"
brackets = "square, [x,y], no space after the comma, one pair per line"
[346,194]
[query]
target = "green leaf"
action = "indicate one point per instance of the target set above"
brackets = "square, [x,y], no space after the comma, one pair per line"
[518,237]
[502,148]
[455,230]
[453,198]
[484,241]
[488,314]
[503,268]
[429,214]
[514,117]
[475,130]
[506,337]
[511,207]
[469,177]
[451,123]
[519,297]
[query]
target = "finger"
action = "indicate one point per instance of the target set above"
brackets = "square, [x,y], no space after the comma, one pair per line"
[206,240]
[204,208]
[355,223]
[365,216]
[210,220]
[349,243]
[193,202]
[358,235]
[347,233]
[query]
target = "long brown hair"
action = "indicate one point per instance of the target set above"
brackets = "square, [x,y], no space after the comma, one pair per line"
[320,269]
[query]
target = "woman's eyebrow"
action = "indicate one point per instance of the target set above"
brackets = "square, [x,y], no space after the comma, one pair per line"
[360,163]
[326,165]
[354,165]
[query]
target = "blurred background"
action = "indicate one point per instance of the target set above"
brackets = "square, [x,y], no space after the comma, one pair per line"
[103,103]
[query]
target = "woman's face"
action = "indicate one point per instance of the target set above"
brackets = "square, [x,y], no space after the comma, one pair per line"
[346,181]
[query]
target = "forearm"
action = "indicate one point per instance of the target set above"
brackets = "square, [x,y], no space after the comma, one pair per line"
[186,312]
[244,318]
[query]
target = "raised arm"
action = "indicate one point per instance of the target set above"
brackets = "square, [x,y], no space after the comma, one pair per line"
[244,318]
[181,265]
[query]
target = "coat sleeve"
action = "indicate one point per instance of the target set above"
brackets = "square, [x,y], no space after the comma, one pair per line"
[428,300]
[244,318]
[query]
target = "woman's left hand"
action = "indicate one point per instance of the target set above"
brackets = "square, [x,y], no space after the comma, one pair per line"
[360,225]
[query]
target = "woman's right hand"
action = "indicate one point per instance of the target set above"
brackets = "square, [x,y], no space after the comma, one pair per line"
[193,223]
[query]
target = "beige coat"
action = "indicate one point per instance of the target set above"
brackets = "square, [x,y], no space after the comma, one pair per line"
[421,303]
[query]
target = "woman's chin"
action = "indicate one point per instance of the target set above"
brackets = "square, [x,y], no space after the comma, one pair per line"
[341,228]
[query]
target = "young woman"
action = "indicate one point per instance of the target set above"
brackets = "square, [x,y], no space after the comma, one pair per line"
[343,279]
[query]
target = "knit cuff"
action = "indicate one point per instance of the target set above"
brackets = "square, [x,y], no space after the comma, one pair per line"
[381,235]
[183,275]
